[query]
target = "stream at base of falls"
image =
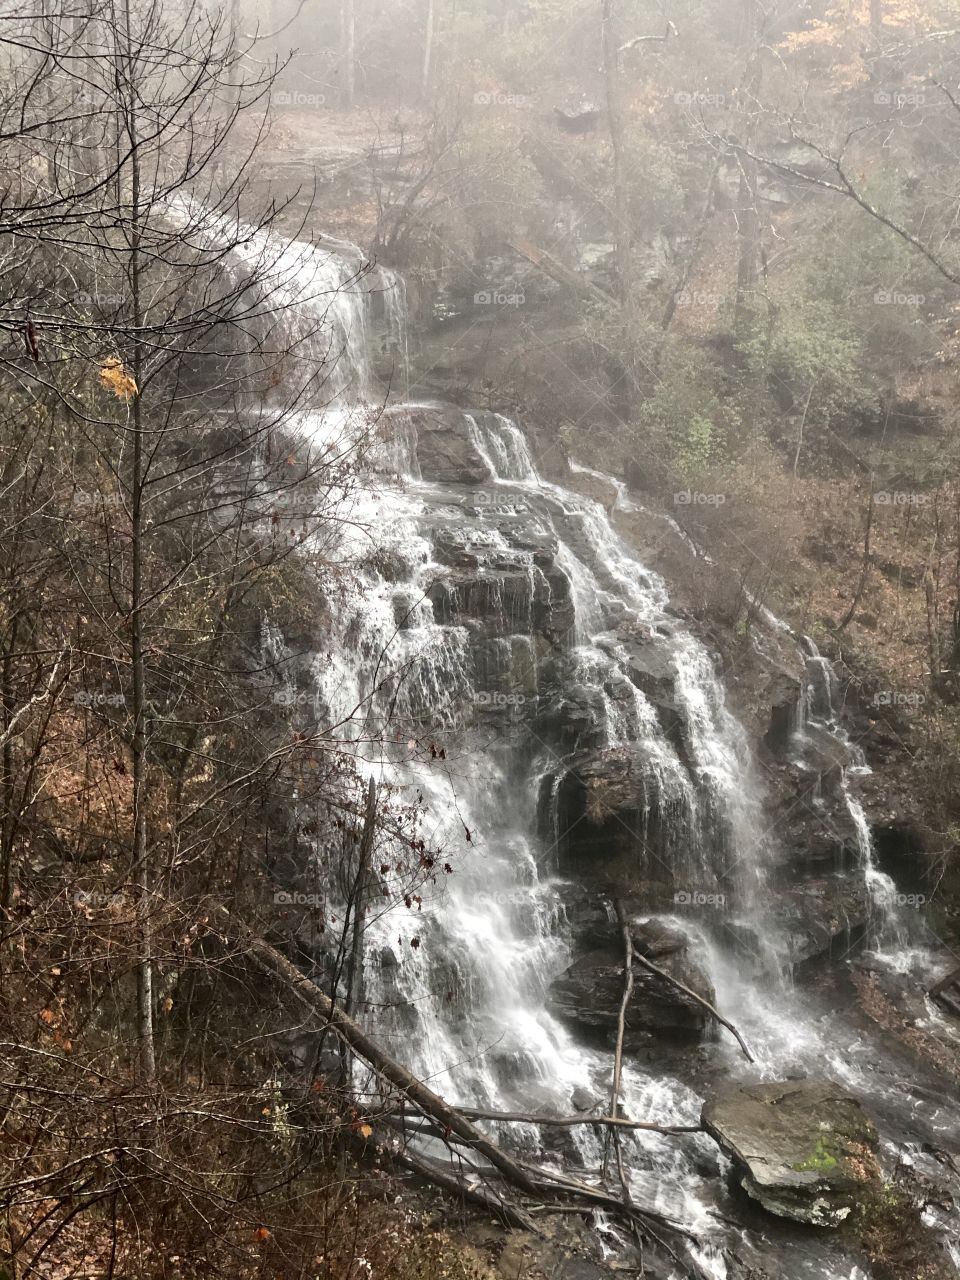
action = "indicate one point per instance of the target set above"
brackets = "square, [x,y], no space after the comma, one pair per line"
[580,737]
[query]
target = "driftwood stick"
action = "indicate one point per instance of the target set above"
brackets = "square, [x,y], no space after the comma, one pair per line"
[548,1180]
[682,986]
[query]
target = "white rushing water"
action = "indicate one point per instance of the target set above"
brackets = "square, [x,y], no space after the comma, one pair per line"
[887,927]
[458,982]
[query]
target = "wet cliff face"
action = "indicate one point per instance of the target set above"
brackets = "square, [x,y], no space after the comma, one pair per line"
[576,668]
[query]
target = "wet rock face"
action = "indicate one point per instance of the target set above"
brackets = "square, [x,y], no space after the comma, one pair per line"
[497,572]
[804,1149]
[588,994]
[783,696]
[446,446]
[609,811]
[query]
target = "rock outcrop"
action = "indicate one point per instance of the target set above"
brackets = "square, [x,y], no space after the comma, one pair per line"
[588,993]
[804,1149]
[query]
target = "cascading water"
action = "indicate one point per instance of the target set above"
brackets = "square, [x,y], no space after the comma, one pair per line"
[887,926]
[500,618]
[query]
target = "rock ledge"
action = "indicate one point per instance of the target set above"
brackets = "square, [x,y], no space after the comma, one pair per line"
[804,1148]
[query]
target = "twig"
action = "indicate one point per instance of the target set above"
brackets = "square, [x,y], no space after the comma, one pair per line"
[621,1027]
[682,986]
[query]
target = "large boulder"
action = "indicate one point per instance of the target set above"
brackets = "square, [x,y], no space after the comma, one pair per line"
[804,1149]
[588,994]
[783,693]
[442,440]
[822,918]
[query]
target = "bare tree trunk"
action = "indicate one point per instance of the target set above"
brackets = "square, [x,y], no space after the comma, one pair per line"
[748,213]
[622,230]
[748,253]
[428,50]
[749,247]
[931,591]
[348,53]
[803,419]
[612,1135]
[933,628]
[7,780]
[141,869]
[696,241]
[361,895]
[623,237]
[864,567]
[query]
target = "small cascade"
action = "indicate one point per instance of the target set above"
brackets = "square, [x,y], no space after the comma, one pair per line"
[887,929]
[621,502]
[326,298]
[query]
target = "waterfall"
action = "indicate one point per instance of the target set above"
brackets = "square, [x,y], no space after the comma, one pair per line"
[323,298]
[495,655]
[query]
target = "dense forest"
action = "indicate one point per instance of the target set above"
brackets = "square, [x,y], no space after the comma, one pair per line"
[479,640]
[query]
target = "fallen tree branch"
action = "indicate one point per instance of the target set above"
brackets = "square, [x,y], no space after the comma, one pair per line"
[453,1124]
[269,960]
[569,1122]
[682,986]
[512,1214]
[621,1028]
[34,701]
[625,1207]
[635,40]
[546,1178]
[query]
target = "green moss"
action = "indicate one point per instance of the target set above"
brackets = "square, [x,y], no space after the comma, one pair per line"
[821,1161]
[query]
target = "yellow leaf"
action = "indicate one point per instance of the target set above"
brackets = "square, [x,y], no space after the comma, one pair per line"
[114,377]
[365,1131]
[46,1015]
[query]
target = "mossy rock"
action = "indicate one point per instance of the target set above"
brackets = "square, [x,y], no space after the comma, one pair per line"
[804,1149]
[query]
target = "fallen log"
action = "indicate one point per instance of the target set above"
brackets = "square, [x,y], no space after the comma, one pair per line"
[550,266]
[535,1182]
[270,961]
